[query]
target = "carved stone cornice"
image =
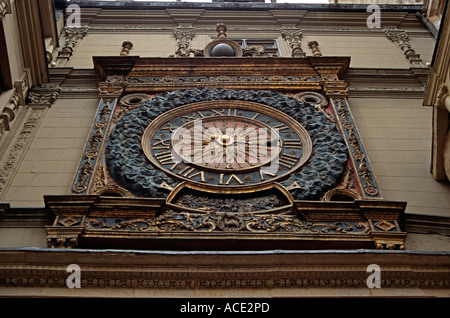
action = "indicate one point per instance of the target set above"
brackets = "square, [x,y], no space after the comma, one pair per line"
[41,272]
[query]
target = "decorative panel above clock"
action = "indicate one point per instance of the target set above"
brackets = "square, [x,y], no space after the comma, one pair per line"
[224,153]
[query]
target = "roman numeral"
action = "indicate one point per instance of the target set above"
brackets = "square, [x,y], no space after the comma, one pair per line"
[190,173]
[190,117]
[218,112]
[232,112]
[262,173]
[165,157]
[169,127]
[288,161]
[161,143]
[281,127]
[233,176]
[292,143]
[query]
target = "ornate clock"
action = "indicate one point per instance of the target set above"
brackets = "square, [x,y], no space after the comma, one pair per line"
[225,141]
[254,164]
[227,144]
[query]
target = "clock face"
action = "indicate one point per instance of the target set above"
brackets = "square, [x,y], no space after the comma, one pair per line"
[227,144]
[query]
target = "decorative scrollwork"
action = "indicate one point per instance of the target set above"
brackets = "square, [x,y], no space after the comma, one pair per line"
[93,148]
[226,222]
[357,150]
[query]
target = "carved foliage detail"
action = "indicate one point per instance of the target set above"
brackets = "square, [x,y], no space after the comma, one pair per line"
[363,166]
[226,222]
[93,147]
[401,39]
[20,146]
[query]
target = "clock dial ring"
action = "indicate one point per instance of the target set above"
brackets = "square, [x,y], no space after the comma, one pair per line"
[130,168]
[227,143]
[293,153]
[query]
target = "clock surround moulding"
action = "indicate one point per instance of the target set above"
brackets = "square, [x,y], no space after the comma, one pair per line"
[126,196]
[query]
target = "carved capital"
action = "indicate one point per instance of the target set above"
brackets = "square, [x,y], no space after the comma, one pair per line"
[294,38]
[397,36]
[5,7]
[75,34]
[184,35]
[42,97]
